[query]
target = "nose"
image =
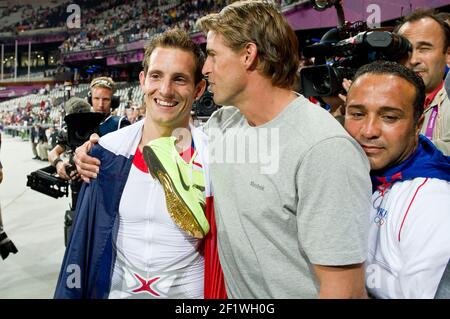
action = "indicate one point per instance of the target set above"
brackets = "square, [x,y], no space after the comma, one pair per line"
[206,70]
[414,58]
[166,88]
[371,128]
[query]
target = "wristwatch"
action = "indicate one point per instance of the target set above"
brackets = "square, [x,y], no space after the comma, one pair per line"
[56,161]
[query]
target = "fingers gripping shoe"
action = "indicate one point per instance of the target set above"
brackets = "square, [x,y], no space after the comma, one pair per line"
[183,186]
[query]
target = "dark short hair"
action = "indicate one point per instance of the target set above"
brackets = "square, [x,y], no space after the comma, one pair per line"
[445,16]
[427,13]
[177,39]
[394,68]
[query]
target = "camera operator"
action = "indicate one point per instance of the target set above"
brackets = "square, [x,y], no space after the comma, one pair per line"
[430,38]
[102,100]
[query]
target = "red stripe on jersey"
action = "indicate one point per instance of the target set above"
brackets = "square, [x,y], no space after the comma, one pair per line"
[409,206]
[139,161]
[214,282]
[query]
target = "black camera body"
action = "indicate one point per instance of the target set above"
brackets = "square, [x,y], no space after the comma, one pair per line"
[45,181]
[205,105]
[341,51]
[80,126]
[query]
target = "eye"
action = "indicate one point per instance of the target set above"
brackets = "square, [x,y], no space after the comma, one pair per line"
[154,76]
[390,118]
[180,79]
[424,49]
[356,115]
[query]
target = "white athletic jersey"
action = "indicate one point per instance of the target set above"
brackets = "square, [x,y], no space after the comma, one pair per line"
[409,239]
[155,258]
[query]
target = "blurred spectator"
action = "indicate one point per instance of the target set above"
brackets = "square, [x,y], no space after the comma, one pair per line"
[42,147]
[34,138]
[430,39]
[130,94]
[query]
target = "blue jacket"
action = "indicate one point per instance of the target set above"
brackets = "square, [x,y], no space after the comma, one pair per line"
[425,161]
[87,266]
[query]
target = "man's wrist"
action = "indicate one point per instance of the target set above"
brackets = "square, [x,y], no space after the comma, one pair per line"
[56,161]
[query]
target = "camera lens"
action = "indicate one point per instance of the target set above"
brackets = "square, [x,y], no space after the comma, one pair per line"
[321,82]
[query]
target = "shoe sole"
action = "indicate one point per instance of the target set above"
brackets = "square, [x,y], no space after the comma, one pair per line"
[176,206]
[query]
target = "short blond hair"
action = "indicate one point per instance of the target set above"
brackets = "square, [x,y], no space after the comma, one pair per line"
[259,22]
[103,82]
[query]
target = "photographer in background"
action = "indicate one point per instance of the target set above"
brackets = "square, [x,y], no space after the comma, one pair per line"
[430,38]
[102,100]
[6,245]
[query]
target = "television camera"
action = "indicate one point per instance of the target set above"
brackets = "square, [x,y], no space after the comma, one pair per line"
[342,50]
[205,106]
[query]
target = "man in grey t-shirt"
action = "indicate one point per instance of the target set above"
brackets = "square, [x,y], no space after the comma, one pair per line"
[292,188]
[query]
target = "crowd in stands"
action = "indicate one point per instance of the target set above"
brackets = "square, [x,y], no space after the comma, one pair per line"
[114,22]
[40,17]
[36,16]
[135,21]
[17,122]
[140,20]
[9,10]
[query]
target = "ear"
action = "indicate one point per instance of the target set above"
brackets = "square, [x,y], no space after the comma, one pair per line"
[419,124]
[142,79]
[249,56]
[200,89]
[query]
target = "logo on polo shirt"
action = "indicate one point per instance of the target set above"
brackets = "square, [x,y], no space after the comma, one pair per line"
[381,216]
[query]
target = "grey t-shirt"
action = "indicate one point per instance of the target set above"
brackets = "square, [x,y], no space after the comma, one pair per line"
[288,194]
